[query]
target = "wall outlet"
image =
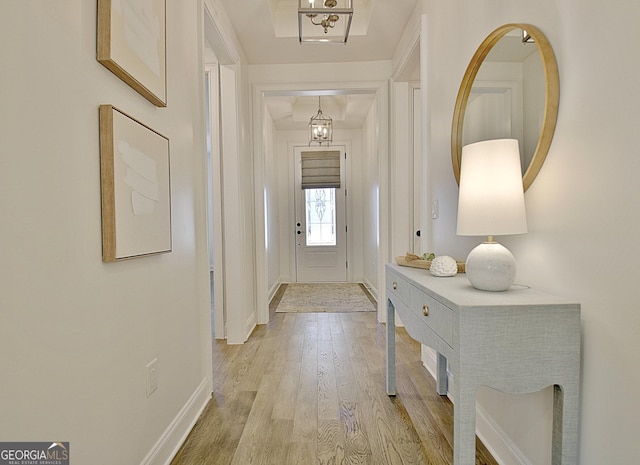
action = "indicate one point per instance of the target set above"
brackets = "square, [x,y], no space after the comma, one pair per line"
[152,376]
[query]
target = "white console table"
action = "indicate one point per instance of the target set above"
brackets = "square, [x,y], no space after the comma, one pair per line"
[516,341]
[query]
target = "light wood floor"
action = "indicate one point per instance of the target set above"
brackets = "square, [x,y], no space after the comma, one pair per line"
[309,388]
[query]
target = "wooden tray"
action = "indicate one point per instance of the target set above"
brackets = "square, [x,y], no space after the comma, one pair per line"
[425,264]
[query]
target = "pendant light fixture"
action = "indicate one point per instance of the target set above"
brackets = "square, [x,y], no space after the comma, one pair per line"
[324,21]
[320,128]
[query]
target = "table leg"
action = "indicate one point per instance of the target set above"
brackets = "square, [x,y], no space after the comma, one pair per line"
[391,349]
[442,382]
[464,425]
[565,424]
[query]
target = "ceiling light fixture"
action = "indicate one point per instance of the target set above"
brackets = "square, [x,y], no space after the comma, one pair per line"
[333,17]
[320,128]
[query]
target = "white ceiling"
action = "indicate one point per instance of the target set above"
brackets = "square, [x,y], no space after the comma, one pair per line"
[268,34]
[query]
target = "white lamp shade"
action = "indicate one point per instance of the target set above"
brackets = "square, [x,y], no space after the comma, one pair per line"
[491,200]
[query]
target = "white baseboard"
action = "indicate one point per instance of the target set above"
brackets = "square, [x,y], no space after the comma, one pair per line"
[497,441]
[371,288]
[169,443]
[272,290]
[502,448]
[250,325]
[428,357]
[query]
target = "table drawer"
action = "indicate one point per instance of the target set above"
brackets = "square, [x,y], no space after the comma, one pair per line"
[434,314]
[398,287]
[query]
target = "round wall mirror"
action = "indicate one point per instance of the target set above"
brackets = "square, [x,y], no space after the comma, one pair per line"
[509,90]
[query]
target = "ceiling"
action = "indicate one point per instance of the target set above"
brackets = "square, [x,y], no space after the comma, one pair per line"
[268,34]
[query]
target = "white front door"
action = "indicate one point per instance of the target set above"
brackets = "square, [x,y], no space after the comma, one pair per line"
[320,228]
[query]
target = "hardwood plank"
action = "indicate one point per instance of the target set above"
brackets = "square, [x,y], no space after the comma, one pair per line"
[328,405]
[330,442]
[209,444]
[274,446]
[305,421]
[356,444]
[302,453]
[392,439]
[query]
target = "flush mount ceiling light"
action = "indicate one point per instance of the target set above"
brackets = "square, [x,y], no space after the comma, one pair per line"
[320,128]
[324,21]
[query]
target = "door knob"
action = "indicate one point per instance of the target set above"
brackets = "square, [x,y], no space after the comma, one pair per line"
[418,233]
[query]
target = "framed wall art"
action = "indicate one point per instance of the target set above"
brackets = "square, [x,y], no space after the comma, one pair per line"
[132,44]
[136,188]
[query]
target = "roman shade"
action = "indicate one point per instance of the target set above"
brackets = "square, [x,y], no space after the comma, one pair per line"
[320,169]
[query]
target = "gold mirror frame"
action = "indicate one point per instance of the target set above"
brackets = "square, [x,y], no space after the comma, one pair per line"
[552,96]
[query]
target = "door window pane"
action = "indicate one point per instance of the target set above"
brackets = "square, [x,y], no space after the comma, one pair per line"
[320,206]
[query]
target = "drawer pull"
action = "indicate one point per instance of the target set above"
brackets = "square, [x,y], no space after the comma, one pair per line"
[395,285]
[425,310]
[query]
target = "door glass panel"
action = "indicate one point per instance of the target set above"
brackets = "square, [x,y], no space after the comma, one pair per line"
[320,206]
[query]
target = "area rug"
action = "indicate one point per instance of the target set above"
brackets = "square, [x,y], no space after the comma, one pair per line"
[324,297]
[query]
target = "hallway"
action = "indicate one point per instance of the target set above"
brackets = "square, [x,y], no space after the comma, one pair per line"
[310,389]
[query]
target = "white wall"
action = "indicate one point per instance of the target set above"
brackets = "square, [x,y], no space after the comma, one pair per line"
[582,209]
[76,333]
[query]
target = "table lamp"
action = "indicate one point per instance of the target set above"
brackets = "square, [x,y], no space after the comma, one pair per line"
[491,203]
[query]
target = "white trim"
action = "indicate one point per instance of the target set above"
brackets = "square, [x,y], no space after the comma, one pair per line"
[167,446]
[273,289]
[250,324]
[371,288]
[429,360]
[410,44]
[384,189]
[214,203]
[224,39]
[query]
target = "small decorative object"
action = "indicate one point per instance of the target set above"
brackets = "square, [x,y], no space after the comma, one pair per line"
[444,266]
[428,256]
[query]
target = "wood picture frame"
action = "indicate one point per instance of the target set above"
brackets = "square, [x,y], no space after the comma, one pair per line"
[135,187]
[131,43]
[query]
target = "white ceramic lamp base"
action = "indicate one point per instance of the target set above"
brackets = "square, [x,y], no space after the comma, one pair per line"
[491,267]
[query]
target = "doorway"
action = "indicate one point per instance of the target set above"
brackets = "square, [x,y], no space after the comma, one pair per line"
[231,319]
[321,214]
